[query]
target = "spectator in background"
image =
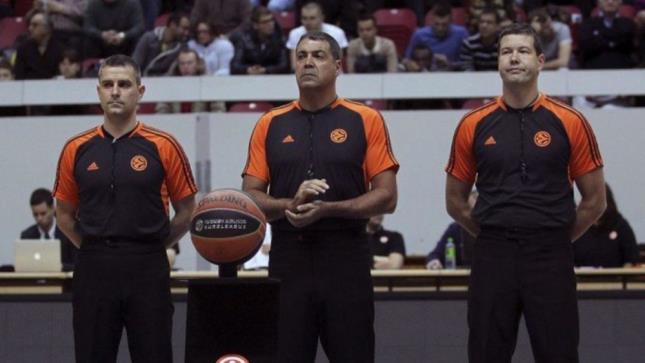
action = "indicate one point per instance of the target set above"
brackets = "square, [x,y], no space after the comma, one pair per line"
[67,20]
[6,74]
[443,37]
[342,13]
[423,60]
[555,37]
[216,51]
[188,64]
[610,242]
[259,49]
[39,55]
[43,211]
[226,16]
[150,9]
[606,41]
[69,66]
[157,49]
[388,247]
[370,53]
[312,18]
[463,241]
[112,27]
[505,10]
[479,51]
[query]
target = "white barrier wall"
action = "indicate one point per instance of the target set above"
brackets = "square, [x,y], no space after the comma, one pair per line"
[421,141]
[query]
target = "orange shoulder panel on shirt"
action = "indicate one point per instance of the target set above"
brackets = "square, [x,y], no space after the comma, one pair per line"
[65,186]
[585,154]
[461,163]
[179,176]
[256,161]
[379,155]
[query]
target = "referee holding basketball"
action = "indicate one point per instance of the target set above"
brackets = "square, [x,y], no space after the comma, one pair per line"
[113,186]
[327,165]
[524,150]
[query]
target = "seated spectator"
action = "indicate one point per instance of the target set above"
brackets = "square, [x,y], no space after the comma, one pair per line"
[388,248]
[112,27]
[188,64]
[43,211]
[6,74]
[555,37]
[259,49]
[463,241]
[342,13]
[442,37]
[606,41]
[39,55]
[226,16]
[423,60]
[610,242]
[370,53]
[216,51]
[479,51]
[67,20]
[505,10]
[158,48]
[69,66]
[312,18]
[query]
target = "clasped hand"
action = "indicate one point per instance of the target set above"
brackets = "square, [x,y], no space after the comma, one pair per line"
[304,209]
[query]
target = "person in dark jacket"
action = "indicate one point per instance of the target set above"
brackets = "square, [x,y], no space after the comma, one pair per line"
[157,49]
[610,242]
[260,49]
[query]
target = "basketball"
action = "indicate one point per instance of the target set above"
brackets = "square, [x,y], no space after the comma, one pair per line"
[227,227]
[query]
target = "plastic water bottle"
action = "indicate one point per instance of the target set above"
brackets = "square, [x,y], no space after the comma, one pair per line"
[451,255]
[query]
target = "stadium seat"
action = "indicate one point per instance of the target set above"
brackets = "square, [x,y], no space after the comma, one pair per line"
[146,108]
[286,19]
[473,103]
[10,29]
[251,107]
[22,7]
[398,25]
[162,19]
[459,16]
[626,10]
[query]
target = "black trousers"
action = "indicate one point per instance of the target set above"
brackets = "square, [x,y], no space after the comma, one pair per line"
[325,292]
[514,272]
[122,285]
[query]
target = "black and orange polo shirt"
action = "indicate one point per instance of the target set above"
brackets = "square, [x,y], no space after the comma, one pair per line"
[122,187]
[524,162]
[346,143]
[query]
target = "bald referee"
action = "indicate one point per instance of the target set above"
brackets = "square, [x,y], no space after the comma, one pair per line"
[113,187]
[524,150]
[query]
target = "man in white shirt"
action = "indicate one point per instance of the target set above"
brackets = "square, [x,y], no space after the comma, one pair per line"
[370,53]
[312,18]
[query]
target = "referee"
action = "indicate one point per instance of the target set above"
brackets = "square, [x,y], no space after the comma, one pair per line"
[524,150]
[113,186]
[327,166]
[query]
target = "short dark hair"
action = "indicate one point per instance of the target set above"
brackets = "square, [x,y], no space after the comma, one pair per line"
[176,17]
[258,12]
[122,60]
[539,14]
[521,29]
[323,37]
[71,55]
[489,10]
[441,9]
[41,195]
[366,17]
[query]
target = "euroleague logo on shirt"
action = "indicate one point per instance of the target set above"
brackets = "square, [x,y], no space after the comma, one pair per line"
[542,139]
[138,163]
[338,136]
[232,358]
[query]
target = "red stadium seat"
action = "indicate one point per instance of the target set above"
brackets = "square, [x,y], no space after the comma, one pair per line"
[251,107]
[10,29]
[398,25]
[286,19]
[162,19]
[22,7]
[628,11]
[459,16]
[146,108]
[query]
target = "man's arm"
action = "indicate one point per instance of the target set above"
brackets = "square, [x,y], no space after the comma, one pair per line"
[381,198]
[393,261]
[180,223]
[457,206]
[66,220]
[274,208]
[592,204]
[564,55]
